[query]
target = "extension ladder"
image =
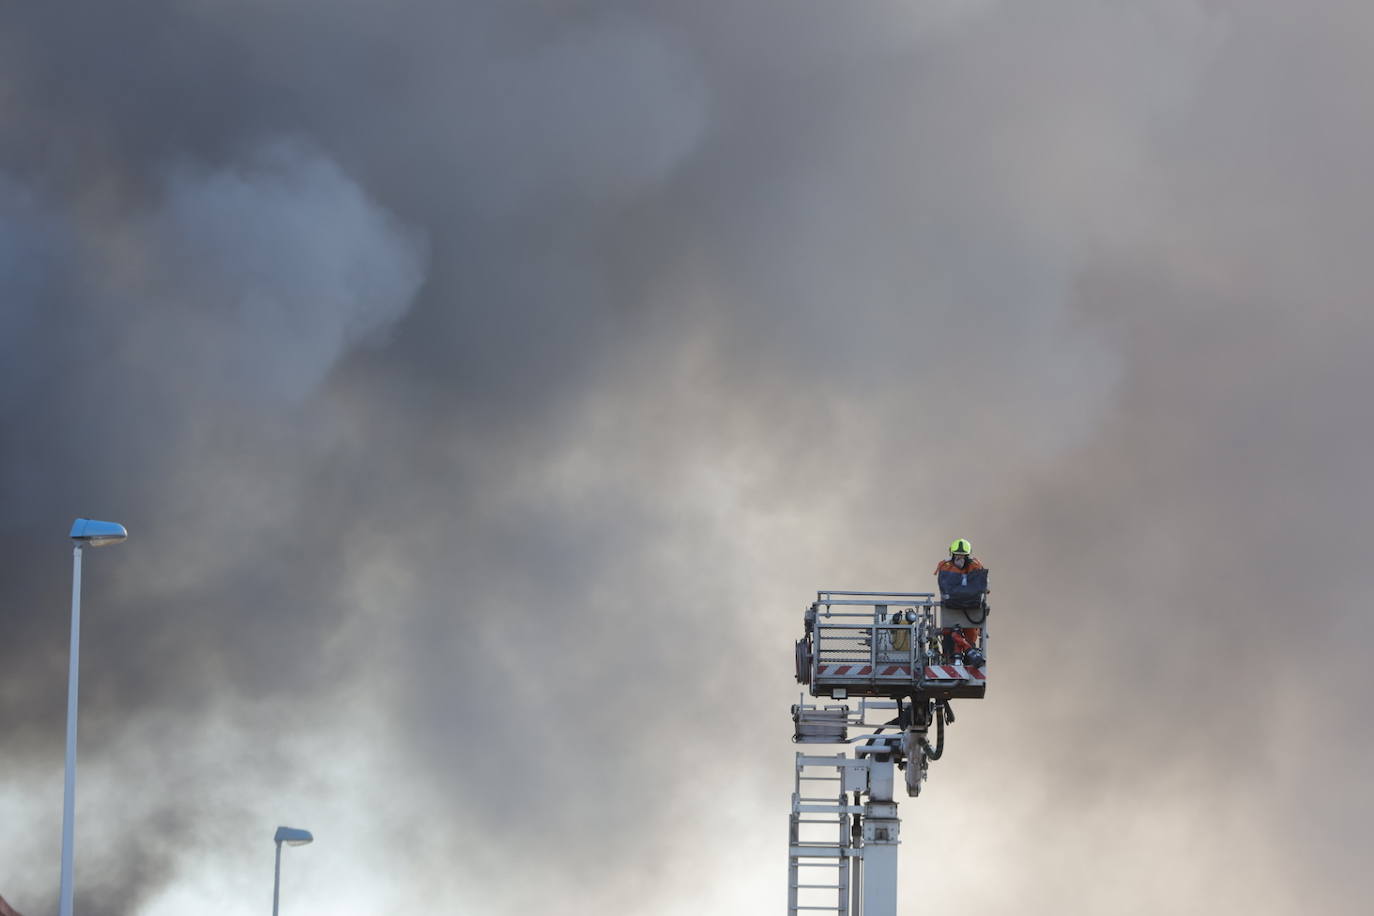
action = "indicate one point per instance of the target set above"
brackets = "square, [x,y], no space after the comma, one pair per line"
[822,844]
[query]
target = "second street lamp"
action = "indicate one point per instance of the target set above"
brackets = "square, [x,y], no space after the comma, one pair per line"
[291,836]
[85,533]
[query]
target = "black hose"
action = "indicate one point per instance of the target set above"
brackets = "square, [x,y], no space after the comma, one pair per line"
[934,753]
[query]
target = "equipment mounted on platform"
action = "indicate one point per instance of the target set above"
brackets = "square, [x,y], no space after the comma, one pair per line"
[890,644]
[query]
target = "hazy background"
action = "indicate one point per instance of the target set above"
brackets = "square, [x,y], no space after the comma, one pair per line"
[488,387]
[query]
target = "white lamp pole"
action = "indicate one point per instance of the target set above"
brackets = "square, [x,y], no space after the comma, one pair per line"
[291,837]
[95,534]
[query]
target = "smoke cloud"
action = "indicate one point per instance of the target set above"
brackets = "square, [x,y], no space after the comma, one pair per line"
[487,390]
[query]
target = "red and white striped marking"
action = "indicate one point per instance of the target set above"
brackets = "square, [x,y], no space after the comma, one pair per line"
[864,671]
[954,673]
[933,673]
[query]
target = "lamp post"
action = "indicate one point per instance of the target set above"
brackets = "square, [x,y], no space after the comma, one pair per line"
[85,533]
[291,837]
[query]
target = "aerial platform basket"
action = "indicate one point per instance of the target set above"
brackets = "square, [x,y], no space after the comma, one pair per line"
[885,644]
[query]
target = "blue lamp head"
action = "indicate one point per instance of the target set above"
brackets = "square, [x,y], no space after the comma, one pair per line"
[90,533]
[291,836]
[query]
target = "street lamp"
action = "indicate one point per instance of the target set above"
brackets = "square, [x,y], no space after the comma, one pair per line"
[85,532]
[291,837]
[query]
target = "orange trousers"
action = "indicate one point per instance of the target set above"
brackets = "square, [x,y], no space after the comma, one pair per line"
[962,639]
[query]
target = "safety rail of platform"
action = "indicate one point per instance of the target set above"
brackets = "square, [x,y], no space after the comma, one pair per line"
[879,643]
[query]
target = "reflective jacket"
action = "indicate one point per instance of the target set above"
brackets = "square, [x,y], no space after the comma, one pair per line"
[948,566]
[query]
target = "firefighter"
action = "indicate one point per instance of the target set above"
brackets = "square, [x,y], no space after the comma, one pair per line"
[961,642]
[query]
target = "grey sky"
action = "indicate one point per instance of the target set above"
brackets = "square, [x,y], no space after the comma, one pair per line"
[487,388]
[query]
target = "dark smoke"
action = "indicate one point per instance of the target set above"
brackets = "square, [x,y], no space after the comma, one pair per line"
[486,388]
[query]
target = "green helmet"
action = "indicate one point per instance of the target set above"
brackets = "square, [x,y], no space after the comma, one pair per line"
[960,546]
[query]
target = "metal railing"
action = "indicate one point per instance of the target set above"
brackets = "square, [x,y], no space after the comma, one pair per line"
[874,628]
[877,630]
